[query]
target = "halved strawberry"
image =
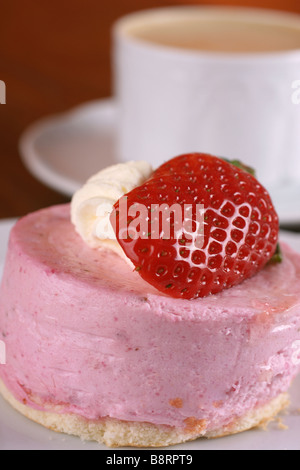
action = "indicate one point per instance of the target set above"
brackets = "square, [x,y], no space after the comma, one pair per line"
[240,226]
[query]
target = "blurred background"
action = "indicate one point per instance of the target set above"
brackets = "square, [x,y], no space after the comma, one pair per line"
[53,56]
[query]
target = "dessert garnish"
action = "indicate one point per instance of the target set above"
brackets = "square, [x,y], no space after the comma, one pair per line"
[93,203]
[228,230]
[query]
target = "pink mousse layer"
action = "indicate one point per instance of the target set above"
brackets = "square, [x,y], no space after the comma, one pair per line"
[84,332]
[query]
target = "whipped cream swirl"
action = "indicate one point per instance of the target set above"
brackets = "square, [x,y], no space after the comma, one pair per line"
[92,204]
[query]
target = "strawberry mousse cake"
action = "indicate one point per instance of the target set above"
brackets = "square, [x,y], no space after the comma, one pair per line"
[107,339]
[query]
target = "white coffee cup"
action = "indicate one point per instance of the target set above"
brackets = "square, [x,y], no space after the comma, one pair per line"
[240,103]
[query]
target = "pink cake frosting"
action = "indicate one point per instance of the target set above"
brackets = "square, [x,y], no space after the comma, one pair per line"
[86,335]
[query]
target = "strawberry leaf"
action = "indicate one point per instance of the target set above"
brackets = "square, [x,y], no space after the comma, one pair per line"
[242,166]
[277,257]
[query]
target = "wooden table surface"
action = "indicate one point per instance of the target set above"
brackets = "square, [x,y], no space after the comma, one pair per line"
[55,55]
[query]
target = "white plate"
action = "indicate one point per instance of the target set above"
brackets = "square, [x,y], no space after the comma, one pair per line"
[19,433]
[64,151]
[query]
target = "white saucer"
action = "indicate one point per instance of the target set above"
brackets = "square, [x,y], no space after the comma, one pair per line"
[19,433]
[63,151]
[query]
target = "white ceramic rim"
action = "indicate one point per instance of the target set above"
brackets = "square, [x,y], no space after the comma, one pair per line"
[31,156]
[242,14]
